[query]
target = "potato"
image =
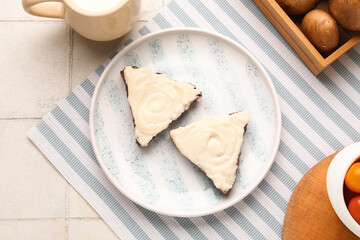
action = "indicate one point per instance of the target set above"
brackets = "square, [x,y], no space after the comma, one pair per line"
[321,30]
[346,13]
[297,7]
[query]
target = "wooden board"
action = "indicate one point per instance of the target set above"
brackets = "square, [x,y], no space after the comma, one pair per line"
[297,40]
[309,214]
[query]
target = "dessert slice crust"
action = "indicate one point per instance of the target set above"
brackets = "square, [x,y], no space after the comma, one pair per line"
[214,145]
[155,101]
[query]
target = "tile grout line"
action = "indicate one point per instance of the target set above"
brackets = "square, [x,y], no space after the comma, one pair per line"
[67,203]
[67,189]
[71,58]
[15,119]
[49,219]
[30,20]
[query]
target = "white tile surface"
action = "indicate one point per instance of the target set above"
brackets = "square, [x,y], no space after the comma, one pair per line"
[40,63]
[85,229]
[33,230]
[30,187]
[88,55]
[13,10]
[34,66]
[78,207]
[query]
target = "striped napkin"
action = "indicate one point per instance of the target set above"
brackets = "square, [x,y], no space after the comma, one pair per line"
[320,116]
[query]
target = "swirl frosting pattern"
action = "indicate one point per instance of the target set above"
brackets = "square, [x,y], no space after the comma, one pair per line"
[156,101]
[213,144]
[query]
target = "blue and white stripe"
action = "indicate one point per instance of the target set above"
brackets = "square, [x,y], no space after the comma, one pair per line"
[320,116]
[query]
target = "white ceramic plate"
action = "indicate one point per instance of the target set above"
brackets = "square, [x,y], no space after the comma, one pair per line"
[158,177]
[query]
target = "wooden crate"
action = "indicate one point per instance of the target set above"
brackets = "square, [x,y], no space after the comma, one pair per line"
[297,40]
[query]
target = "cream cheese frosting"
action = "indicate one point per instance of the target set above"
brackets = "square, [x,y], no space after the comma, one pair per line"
[156,100]
[213,144]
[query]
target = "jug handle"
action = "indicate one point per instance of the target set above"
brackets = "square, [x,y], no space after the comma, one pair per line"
[44,8]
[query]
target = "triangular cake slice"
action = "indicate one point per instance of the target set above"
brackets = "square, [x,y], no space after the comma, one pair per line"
[156,100]
[213,144]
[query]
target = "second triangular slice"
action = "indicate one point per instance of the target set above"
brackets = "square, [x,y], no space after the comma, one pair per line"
[213,144]
[156,100]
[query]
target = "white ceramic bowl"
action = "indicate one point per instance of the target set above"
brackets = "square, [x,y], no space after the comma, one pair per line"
[335,183]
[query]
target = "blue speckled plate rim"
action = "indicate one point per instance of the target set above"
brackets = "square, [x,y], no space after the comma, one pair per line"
[174,31]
